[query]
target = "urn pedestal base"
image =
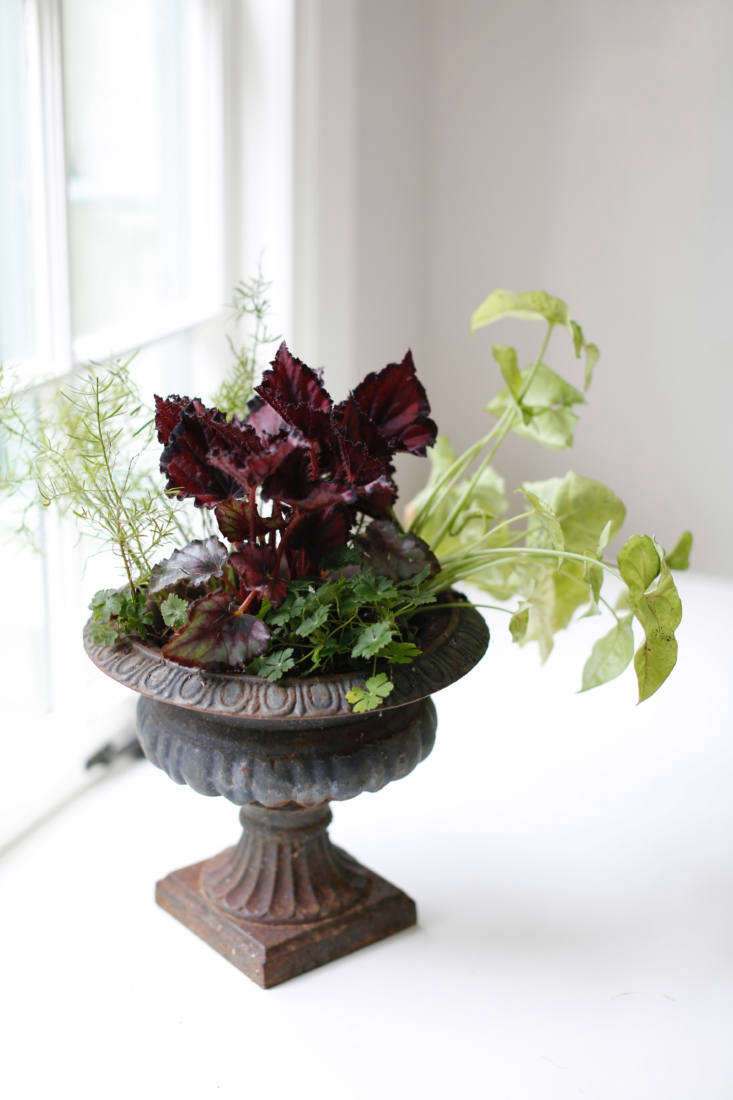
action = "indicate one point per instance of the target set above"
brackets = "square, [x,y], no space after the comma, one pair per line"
[285,899]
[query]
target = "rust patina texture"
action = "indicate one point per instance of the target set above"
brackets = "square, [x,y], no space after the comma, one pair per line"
[285,899]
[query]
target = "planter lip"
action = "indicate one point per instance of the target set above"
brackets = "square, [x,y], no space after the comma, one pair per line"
[453,651]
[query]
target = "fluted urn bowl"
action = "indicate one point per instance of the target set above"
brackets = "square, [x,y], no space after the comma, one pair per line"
[285,899]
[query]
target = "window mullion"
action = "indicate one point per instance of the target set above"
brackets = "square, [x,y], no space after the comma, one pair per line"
[43,46]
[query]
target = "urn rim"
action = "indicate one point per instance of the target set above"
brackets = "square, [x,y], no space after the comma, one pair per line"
[455,641]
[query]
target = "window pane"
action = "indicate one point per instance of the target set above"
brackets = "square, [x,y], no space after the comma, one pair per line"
[16,287]
[135,152]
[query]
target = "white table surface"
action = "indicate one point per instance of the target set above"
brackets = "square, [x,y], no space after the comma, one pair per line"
[572,860]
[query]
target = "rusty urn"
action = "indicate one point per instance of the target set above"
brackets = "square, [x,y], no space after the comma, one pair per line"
[286,899]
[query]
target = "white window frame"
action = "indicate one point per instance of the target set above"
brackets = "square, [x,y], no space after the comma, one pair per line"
[57,355]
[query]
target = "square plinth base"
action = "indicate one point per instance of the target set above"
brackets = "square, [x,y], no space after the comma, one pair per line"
[270,954]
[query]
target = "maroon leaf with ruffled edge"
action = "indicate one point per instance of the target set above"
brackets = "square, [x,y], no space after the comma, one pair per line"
[263,418]
[190,570]
[256,566]
[186,459]
[239,520]
[297,394]
[313,536]
[217,636]
[167,414]
[248,458]
[396,402]
[392,553]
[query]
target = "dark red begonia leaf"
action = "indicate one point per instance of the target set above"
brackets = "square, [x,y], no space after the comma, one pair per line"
[395,400]
[314,536]
[263,418]
[249,459]
[239,520]
[167,414]
[392,553]
[190,570]
[186,460]
[297,394]
[256,566]
[217,636]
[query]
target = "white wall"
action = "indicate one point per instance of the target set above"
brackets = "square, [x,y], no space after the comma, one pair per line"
[584,148]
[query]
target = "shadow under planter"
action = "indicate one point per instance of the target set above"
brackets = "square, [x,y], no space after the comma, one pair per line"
[285,899]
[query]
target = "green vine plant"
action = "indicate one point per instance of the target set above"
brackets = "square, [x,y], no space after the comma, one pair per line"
[548,559]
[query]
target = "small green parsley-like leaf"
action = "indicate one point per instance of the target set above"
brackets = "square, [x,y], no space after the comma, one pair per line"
[372,640]
[370,588]
[174,611]
[103,633]
[679,556]
[106,603]
[372,695]
[610,655]
[400,653]
[313,621]
[275,664]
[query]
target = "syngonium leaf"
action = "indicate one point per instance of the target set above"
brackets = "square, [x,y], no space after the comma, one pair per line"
[586,509]
[545,529]
[190,570]
[544,412]
[610,655]
[506,357]
[372,695]
[217,636]
[656,604]
[576,514]
[487,501]
[533,305]
[591,352]
[679,556]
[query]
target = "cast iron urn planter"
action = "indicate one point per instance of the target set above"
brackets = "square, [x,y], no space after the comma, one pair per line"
[285,899]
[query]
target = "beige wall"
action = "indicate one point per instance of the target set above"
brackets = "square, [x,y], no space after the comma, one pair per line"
[585,148]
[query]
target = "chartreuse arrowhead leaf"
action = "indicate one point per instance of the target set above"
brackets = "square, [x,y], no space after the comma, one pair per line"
[592,355]
[506,357]
[610,655]
[533,305]
[545,413]
[679,556]
[639,564]
[585,508]
[656,604]
[518,624]
[545,529]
